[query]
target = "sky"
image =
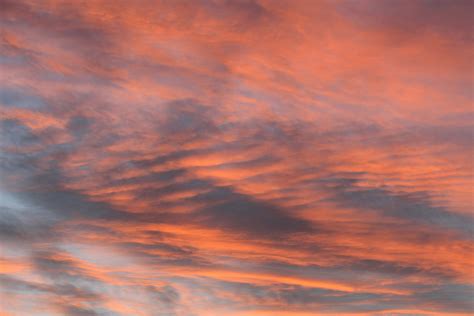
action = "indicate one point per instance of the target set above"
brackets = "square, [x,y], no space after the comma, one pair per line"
[236,157]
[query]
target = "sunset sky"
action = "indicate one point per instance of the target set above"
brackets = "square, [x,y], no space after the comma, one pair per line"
[236,157]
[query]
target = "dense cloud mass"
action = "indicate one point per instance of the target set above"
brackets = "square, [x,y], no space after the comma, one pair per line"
[236,157]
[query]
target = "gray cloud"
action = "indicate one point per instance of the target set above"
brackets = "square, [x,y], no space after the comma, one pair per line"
[21,98]
[244,214]
[414,207]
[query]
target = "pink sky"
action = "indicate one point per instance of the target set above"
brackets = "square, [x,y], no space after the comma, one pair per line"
[239,157]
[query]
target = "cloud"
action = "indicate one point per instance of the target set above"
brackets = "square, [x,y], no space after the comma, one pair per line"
[236,157]
[240,213]
[17,134]
[413,206]
[20,98]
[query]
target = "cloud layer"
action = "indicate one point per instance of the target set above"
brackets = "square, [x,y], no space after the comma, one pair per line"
[236,157]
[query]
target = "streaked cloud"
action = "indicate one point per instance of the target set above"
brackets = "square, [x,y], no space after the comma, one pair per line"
[236,157]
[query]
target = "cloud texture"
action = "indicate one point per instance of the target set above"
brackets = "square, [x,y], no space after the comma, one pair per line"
[236,157]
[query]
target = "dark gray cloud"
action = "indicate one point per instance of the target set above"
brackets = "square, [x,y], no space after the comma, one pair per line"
[186,120]
[240,213]
[79,126]
[16,134]
[70,204]
[167,249]
[79,311]
[415,207]
[455,298]
[396,269]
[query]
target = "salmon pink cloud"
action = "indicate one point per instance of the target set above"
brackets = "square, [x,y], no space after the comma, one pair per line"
[236,157]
